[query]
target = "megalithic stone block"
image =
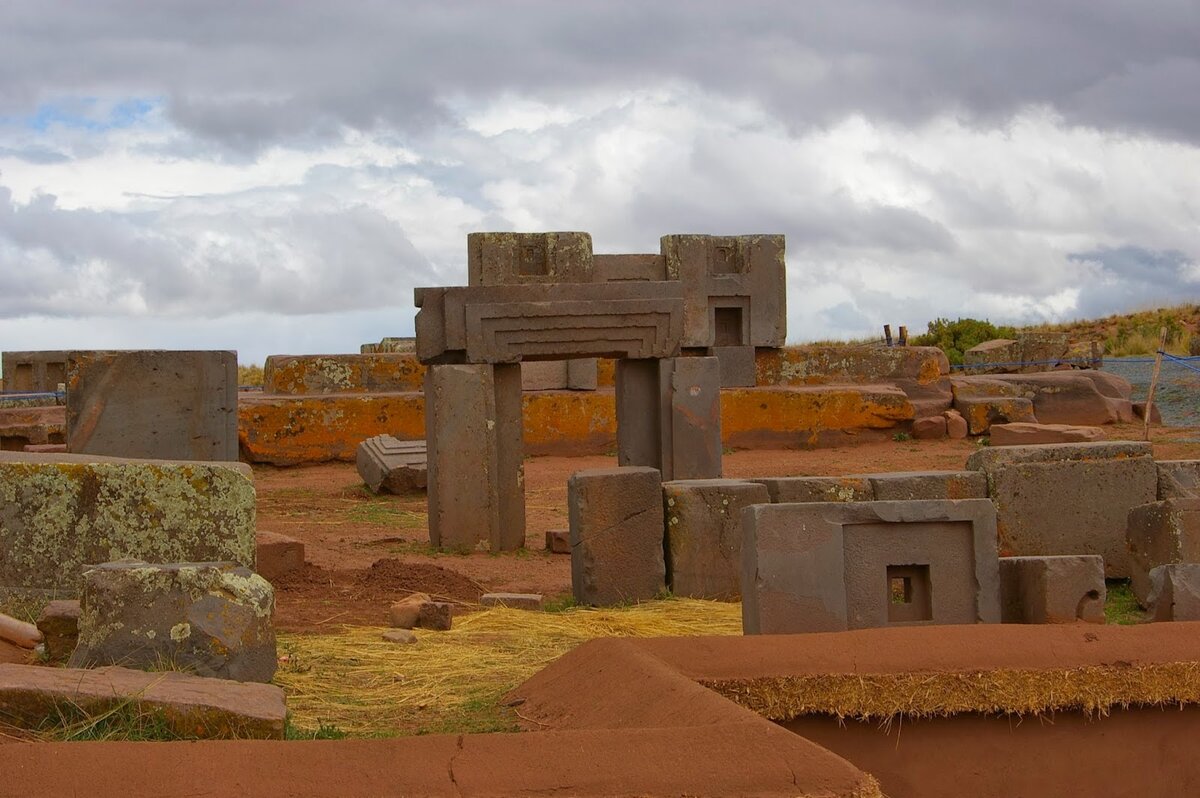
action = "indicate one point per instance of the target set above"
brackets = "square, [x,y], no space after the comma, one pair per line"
[476,473]
[34,371]
[1058,589]
[157,404]
[616,517]
[735,288]
[1161,533]
[520,258]
[511,323]
[669,416]
[704,535]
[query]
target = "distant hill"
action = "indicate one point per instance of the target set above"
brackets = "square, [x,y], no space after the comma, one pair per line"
[1137,333]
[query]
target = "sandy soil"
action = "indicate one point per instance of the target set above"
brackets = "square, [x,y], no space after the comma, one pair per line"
[346,529]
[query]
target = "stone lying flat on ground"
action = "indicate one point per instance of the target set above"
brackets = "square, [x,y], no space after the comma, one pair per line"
[1178,479]
[981,413]
[929,428]
[399,636]
[558,541]
[1161,533]
[151,403]
[516,601]
[704,535]
[1063,589]
[46,448]
[616,517]
[435,615]
[1025,434]
[277,555]
[58,512]
[1062,397]
[788,490]
[191,706]
[919,485]
[1068,498]
[389,465]
[211,619]
[1175,592]
[404,613]
[59,625]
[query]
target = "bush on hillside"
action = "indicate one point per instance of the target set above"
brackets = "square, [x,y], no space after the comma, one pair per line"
[956,337]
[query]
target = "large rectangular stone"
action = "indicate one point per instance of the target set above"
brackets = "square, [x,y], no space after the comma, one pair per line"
[1060,589]
[864,365]
[304,375]
[1161,533]
[522,258]
[476,482]
[794,490]
[704,535]
[620,268]
[1178,479]
[1068,498]
[507,324]
[912,485]
[389,465]
[1175,592]
[34,371]
[830,567]
[59,512]
[735,288]
[191,706]
[157,404]
[616,518]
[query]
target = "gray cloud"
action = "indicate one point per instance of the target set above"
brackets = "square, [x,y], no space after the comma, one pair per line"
[1115,279]
[247,75]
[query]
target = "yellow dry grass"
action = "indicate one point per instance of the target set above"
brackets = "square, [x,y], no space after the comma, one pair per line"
[452,681]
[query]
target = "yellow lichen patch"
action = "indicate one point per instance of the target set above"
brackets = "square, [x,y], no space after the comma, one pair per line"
[765,413]
[300,375]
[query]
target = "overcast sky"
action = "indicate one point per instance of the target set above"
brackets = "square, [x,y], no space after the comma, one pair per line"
[277,177]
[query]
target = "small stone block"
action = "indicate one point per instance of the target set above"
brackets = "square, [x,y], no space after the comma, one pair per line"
[1060,589]
[399,636]
[704,535]
[981,413]
[436,615]
[738,366]
[405,613]
[1175,592]
[277,555]
[930,428]
[389,465]
[956,425]
[515,601]
[59,625]
[558,541]
[1024,434]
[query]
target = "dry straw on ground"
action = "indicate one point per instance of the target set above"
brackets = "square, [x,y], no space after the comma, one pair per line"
[453,681]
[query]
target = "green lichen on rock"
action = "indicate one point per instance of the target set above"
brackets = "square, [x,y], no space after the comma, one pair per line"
[57,517]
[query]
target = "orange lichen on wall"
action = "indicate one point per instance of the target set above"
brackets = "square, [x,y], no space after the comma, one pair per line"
[300,375]
[820,365]
[570,422]
[798,417]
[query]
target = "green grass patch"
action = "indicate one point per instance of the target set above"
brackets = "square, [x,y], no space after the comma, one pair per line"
[1121,606]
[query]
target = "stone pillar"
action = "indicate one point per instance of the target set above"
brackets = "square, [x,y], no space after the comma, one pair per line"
[476,472]
[669,416]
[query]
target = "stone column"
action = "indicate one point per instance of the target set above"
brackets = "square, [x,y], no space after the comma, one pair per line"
[476,472]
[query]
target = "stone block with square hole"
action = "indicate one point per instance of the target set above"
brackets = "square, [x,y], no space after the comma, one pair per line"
[1061,589]
[616,517]
[827,567]
[704,535]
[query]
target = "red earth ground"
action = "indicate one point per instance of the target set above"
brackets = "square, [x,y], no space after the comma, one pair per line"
[347,531]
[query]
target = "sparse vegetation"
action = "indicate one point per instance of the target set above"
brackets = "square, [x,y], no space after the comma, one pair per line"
[250,376]
[956,337]
[1134,334]
[1121,606]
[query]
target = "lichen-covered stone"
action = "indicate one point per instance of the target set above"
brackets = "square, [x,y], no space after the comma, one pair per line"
[60,512]
[211,619]
[59,625]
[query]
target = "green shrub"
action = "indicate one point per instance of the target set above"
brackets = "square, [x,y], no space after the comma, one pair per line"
[956,337]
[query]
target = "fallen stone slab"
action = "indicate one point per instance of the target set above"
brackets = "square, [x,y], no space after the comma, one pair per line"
[58,512]
[999,355]
[1068,498]
[390,465]
[515,601]
[1175,592]
[277,555]
[211,619]
[191,706]
[1062,589]
[59,625]
[982,413]
[1026,434]
[1161,533]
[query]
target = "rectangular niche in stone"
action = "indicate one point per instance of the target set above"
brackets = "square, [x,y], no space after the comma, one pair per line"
[830,566]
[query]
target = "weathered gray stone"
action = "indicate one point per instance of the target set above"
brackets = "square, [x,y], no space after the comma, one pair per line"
[277,555]
[389,465]
[59,625]
[321,375]
[793,490]
[575,374]
[191,706]
[616,517]
[1161,533]
[1175,592]
[582,374]
[739,369]
[914,485]
[1024,434]
[515,601]
[476,483]
[704,535]
[997,356]
[58,512]
[1178,479]
[153,404]
[1042,351]
[34,371]
[211,619]
[735,292]
[831,566]
[1063,589]
[520,258]
[511,323]
[620,268]
[435,615]
[390,345]
[1068,498]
